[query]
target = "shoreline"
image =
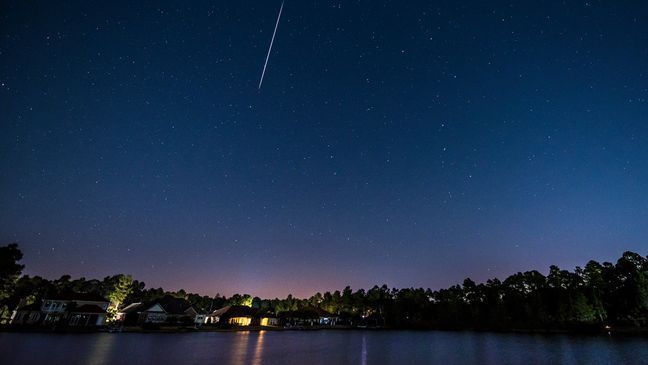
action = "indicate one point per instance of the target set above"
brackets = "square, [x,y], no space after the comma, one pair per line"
[617,332]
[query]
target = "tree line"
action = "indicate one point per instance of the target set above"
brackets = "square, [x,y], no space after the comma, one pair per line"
[589,297]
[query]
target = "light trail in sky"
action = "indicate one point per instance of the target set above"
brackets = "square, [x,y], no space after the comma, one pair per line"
[271,43]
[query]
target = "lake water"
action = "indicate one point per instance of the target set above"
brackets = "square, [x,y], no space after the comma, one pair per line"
[319,347]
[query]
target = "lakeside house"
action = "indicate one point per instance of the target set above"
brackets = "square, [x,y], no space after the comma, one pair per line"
[27,315]
[268,320]
[308,317]
[231,315]
[243,316]
[167,309]
[64,309]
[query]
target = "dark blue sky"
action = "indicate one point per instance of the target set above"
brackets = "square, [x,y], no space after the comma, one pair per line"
[412,144]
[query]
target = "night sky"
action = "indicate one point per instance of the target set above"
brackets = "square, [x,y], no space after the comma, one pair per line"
[408,143]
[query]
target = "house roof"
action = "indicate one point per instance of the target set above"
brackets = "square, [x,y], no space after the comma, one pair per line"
[79,297]
[170,305]
[133,307]
[30,307]
[88,308]
[233,311]
[173,305]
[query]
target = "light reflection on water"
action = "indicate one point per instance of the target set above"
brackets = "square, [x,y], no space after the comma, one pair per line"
[318,347]
[258,349]
[100,350]
[238,348]
[363,352]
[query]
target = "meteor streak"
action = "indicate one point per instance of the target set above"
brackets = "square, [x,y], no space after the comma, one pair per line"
[270,48]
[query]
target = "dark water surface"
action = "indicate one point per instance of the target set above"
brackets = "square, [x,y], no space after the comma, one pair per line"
[319,347]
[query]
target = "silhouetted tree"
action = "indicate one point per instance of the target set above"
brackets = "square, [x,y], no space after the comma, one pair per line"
[119,287]
[10,271]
